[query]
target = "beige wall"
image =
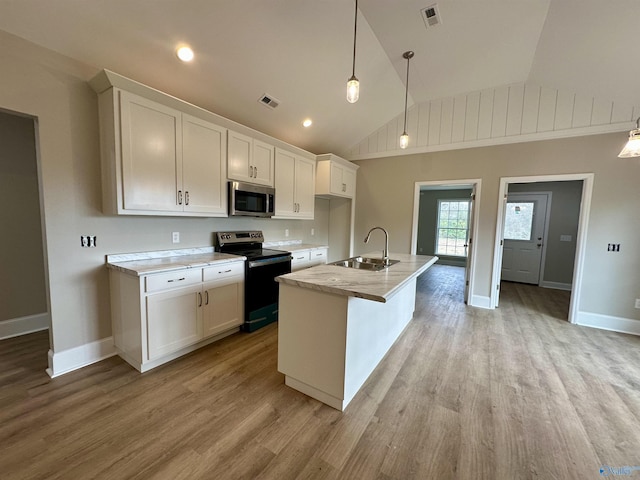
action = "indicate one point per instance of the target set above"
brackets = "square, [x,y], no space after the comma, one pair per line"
[22,278]
[611,281]
[54,89]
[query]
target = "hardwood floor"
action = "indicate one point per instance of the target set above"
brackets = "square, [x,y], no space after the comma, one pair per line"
[465,393]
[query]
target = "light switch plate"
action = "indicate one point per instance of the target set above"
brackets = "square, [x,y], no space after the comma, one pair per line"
[637,302]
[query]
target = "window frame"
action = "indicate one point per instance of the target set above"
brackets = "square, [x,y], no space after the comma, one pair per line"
[437,236]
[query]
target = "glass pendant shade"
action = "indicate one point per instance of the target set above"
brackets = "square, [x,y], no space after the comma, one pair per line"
[353,90]
[632,148]
[404,140]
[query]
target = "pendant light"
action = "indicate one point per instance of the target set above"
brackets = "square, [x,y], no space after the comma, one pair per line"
[404,138]
[632,148]
[353,85]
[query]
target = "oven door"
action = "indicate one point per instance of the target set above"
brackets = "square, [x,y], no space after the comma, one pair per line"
[261,290]
[251,200]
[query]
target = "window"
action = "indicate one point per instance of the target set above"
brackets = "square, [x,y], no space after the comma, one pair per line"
[453,227]
[518,220]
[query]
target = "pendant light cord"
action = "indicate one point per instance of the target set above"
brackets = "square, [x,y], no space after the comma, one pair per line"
[355,31]
[406,94]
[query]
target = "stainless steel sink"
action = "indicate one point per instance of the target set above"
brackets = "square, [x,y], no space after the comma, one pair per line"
[365,263]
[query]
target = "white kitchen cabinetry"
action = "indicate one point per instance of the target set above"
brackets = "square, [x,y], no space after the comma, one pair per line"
[295,186]
[160,316]
[249,160]
[223,298]
[158,160]
[306,258]
[335,176]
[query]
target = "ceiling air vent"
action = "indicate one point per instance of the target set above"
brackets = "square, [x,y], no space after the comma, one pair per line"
[269,101]
[431,16]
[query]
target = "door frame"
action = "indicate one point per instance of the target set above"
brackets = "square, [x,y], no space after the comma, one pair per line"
[476,184]
[581,240]
[545,232]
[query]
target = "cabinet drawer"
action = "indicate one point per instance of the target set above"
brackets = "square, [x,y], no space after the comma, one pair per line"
[318,256]
[224,270]
[300,256]
[177,279]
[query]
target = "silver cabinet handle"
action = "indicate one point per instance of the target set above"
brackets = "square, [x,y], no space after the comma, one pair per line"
[200,297]
[186,198]
[179,197]
[226,271]
[206,296]
[255,172]
[176,280]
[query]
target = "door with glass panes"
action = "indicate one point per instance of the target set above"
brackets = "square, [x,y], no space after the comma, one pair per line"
[523,237]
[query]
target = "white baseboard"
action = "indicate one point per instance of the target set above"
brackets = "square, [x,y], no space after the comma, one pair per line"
[608,322]
[78,357]
[480,301]
[23,325]
[556,285]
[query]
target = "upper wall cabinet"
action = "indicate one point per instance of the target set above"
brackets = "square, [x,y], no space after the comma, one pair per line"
[158,160]
[335,176]
[250,160]
[295,185]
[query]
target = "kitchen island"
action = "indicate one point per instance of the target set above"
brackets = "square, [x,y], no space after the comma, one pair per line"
[337,323]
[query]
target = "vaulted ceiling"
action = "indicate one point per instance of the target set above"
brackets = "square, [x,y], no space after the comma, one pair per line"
[300,52]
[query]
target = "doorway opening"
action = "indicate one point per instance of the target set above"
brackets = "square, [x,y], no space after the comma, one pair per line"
[538,245]
[444,224]
[24,308]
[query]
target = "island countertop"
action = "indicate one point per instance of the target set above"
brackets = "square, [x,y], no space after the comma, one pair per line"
[378,286]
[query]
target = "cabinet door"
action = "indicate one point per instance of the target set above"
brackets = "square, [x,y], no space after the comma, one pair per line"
[173,320]
[285,181]
[337,185]
[151,154]
[223,308]
[349,180]
[204,166]
[263,163]
[305,183]
[239,157]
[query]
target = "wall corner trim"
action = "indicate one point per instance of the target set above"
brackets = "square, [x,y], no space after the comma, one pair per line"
[608,322]
[23,325]
[74,358]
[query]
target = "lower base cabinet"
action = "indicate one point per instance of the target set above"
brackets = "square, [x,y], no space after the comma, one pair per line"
[306,258]
[159,317]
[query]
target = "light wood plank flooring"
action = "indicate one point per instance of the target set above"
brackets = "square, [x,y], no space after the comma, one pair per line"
[465,393]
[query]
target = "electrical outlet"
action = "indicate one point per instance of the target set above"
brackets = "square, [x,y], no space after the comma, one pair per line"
[637,302]
[565,238]
[175,237]
[313,232]
[286,232]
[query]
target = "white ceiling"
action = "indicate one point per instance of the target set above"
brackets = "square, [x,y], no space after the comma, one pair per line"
[300,53]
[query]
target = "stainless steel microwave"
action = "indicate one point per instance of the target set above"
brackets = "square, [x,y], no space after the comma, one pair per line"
[246,199]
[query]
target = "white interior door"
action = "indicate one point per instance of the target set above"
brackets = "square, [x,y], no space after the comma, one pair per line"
[469,246]
[523,235]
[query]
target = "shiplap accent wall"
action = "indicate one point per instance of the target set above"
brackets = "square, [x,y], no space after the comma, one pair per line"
[509,114]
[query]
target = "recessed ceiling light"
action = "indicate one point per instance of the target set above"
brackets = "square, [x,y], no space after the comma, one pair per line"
[307,123]
[185,53]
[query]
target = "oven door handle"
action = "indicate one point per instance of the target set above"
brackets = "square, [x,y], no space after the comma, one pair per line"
[268,261]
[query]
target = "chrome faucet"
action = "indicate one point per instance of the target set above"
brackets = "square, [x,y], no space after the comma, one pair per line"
[385,252]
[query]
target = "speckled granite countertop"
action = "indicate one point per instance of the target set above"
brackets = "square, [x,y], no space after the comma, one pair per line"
[144,263]
[293,245]
[376,286]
